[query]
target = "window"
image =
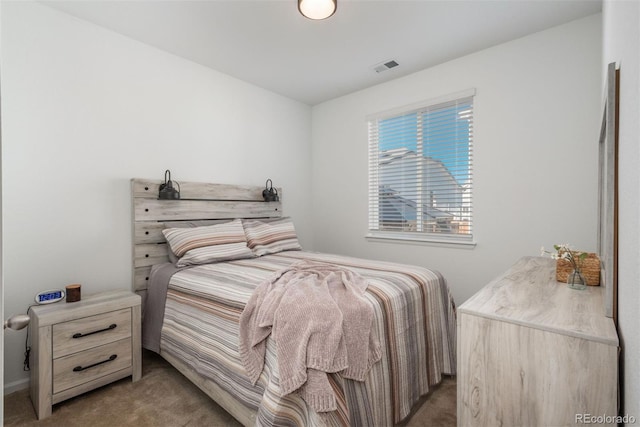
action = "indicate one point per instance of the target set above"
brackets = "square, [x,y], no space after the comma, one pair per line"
[420,171]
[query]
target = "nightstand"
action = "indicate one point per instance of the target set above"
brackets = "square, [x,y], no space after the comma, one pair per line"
[79,346]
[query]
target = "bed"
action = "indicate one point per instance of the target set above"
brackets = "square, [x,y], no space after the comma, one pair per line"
[192,314]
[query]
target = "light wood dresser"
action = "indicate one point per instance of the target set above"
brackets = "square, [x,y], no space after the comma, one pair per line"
[533,352]
[79,346]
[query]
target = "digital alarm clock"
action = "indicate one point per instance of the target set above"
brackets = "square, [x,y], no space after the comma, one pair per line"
[47,297]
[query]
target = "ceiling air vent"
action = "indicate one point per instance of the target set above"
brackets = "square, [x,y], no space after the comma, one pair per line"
[385,66]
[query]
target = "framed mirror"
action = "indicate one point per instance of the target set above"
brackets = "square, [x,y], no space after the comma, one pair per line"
[607,193]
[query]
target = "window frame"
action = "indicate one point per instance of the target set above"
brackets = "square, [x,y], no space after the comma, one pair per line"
[421,237]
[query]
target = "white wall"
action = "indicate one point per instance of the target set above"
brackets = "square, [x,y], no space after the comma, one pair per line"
[537,122]
[621,42]
[85,110]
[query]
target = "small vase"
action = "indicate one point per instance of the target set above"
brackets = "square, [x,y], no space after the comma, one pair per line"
[576,280]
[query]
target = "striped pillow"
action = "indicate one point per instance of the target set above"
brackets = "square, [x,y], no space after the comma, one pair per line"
[213,243]
[270,237]
[189,224]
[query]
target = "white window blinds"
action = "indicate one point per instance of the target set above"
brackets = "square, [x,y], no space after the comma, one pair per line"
[420,171]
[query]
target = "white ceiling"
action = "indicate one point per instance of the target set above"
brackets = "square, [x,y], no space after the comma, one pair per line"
[268,43]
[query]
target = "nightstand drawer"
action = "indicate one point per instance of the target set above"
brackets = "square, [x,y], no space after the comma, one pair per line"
[79,368]
[88,332]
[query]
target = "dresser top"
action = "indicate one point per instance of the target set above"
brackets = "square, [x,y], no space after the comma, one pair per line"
[529,295]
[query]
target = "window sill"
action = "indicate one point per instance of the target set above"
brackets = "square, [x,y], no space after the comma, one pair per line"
[421,240]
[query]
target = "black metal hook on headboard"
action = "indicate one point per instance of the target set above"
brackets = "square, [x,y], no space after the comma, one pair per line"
[167,192]
[270,194]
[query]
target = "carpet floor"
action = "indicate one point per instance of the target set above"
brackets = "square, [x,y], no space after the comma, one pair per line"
[165,398]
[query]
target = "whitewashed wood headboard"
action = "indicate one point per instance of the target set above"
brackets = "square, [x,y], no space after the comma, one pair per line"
[199,201]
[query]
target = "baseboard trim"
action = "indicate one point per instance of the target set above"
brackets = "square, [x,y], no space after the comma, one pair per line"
[16,386]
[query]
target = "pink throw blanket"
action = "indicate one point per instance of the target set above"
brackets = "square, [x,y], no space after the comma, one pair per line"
[321,323]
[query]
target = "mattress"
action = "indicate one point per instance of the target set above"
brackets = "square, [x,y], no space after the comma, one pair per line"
[414,320]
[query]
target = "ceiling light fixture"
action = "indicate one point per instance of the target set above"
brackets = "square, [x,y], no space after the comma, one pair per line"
[317,9]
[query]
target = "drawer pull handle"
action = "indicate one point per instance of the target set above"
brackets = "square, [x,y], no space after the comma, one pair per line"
[108,328]
[82,368]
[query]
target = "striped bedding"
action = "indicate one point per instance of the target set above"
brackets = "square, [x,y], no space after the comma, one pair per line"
[414,320]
